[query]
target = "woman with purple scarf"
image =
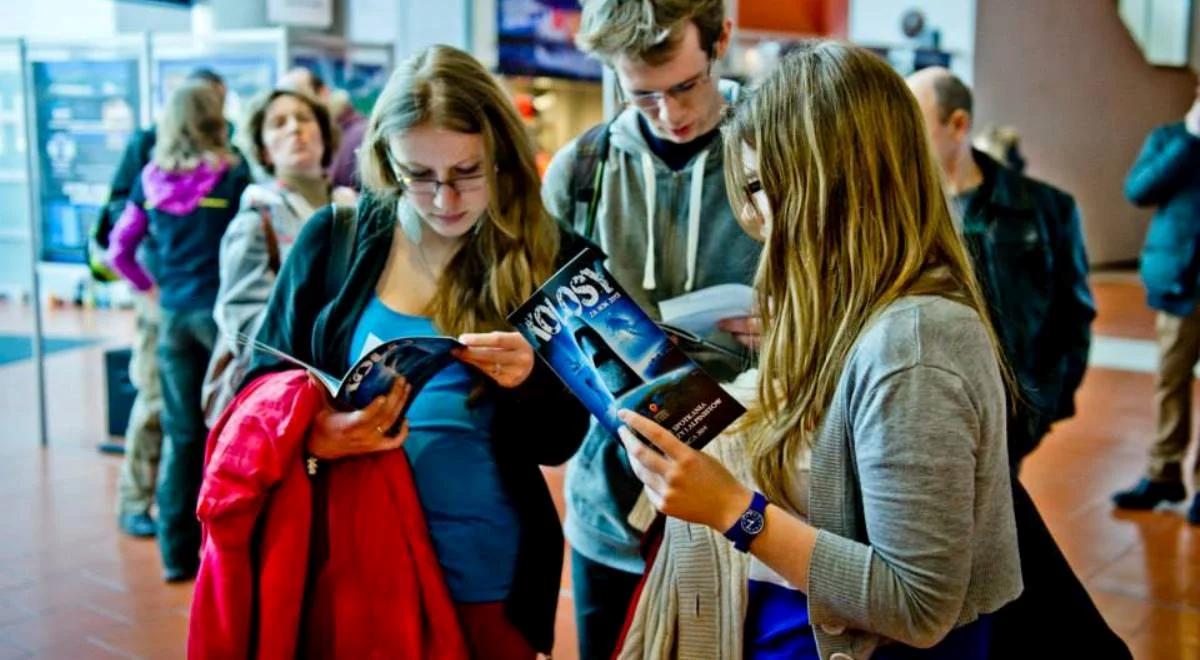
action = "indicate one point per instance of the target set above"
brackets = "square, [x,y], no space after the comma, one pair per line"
[177,213]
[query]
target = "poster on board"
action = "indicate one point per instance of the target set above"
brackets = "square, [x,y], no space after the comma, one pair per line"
[537,38]
[245,77]
[86,112]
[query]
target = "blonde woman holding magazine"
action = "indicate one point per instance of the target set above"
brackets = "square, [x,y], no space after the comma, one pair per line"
[884,527]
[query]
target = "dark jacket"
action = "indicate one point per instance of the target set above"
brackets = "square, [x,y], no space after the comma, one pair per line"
[186,213]
[1027,246]
[537,423]
[1166,175]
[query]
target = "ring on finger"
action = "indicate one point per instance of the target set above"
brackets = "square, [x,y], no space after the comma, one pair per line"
[496,369]
[380,430]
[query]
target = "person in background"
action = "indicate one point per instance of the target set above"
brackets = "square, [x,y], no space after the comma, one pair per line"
[661,213]
[1003,145]
[1026,241]
[884,525]
[450,237]
[183,202]
[1166,176]
[343,168]
[292,138]
[143,435]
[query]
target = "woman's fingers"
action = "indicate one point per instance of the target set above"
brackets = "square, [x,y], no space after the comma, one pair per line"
[649,467]
[671,446]
[382,418]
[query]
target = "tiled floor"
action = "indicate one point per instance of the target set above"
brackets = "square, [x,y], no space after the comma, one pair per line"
[72,587]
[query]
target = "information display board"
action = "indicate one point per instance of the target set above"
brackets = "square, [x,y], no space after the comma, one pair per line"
[537,38]
[87,109]
[244,75]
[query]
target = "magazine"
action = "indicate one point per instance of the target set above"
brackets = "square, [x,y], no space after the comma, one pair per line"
[416,358]
[699,311]
[612,355]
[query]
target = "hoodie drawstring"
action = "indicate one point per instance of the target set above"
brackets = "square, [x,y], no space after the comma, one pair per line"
[694,201]
[648,182]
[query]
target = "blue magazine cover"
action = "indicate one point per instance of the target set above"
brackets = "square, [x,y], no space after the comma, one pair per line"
[418,359]
[612,355]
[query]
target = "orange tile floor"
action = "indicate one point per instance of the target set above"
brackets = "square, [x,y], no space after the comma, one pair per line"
[72,587]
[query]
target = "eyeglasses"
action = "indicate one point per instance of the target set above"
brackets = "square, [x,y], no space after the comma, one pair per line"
[755,186]
[683,92]
[429,186]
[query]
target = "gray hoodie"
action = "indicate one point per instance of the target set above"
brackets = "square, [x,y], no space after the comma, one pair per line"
[661,243]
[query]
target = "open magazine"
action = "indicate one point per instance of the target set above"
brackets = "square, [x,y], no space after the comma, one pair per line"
[612,355]
[416,358]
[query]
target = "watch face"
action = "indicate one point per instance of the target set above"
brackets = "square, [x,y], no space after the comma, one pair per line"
[752,522]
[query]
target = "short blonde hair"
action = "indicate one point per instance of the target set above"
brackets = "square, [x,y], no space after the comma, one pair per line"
[192,129]
[647,30]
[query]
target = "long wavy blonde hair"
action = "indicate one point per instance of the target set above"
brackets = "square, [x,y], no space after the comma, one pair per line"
[515,245]
[859,218]
[192,129]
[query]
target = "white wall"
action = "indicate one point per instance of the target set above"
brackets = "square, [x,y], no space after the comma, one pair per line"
[877,23]
[57,18]
[427,22]
[372,21]
[145,17]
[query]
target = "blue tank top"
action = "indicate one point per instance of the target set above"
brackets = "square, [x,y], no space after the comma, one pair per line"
[472,521]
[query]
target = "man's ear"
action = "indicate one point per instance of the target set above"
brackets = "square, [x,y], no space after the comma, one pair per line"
[960,124]
[722,44]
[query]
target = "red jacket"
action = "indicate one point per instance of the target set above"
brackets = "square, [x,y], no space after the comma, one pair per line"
[376,592]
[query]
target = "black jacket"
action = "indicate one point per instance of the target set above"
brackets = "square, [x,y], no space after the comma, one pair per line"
[537,423]
[1027,247]
[1166,175]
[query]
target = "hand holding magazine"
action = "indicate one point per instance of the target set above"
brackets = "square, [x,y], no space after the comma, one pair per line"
[417,359]
[612,355]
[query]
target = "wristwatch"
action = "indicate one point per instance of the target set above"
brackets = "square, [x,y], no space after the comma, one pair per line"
[749,525]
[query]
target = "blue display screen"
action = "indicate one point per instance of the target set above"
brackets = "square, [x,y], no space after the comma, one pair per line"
[536,38]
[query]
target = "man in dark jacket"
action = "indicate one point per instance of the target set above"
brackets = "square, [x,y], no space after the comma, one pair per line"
[1167,177]
[1027,246]
[1025,241]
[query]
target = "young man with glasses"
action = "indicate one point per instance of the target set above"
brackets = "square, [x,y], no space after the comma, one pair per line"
[657,205]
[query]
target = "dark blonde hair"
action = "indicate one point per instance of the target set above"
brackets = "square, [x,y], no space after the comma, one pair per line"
[256,117]
[647,30]
[515,245]
[859,219]
[192,129]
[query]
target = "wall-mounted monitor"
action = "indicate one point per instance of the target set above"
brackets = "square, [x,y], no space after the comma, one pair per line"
[536,38]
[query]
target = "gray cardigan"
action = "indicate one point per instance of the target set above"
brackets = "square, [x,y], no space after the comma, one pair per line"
[909,485]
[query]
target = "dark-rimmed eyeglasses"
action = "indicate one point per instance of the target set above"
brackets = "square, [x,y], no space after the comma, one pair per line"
[682,92]
[755,186]
[431,186]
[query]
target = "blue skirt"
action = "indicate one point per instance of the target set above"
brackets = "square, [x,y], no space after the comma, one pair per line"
[777,628]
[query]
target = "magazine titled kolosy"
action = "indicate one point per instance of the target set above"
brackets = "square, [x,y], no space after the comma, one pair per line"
[613,356]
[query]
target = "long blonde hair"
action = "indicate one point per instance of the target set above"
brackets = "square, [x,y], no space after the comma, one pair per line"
[514,247]
[192,129]
[859,219]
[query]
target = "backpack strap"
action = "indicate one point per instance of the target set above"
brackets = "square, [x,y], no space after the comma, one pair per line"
[587,174]
[345,234]
[273,258]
